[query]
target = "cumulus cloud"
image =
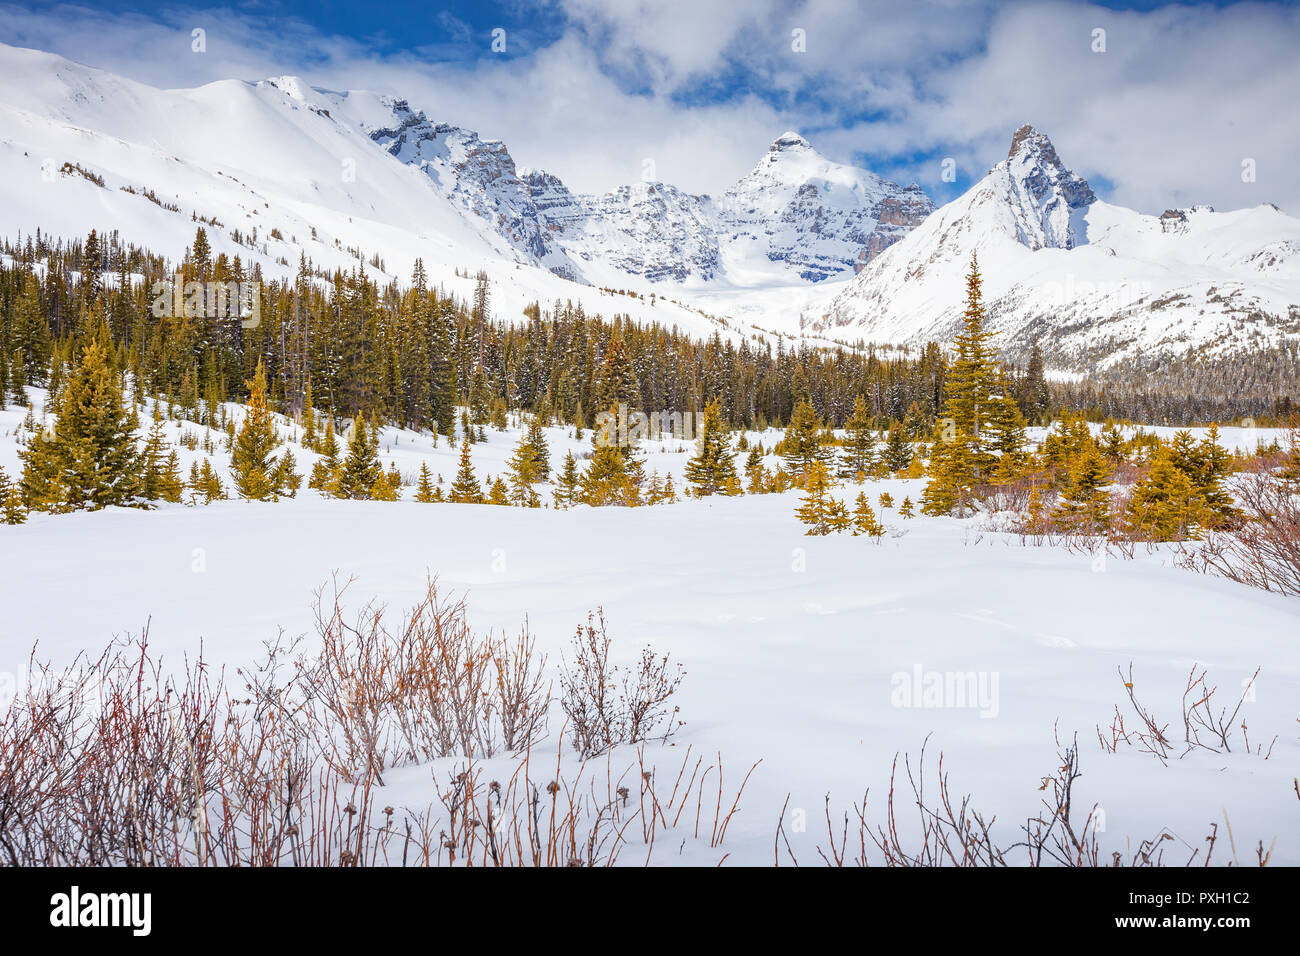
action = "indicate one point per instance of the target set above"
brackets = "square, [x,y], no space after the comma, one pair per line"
[1165,116]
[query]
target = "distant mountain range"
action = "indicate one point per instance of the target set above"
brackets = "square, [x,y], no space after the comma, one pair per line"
[799,246]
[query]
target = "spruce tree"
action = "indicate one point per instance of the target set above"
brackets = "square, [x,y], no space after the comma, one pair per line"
[816,508]
[424,487]
[525,471]
[361,469]
[1164,505]
[535,440]
[755,472]
[251,467]
[12,510]
[864,519]
[804,442]
[713,467]
[1084,506]
[91,460]
[859,456]
[897,454]
[466,489]
[566,485]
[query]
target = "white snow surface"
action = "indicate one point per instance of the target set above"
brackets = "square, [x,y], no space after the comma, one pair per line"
[794,646]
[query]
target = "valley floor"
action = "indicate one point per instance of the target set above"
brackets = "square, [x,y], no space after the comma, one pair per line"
[797,649]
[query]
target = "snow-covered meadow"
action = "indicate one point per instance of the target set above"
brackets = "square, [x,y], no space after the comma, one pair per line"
[815,656]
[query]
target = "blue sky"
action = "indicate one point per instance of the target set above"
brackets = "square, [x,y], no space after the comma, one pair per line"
[1162,114]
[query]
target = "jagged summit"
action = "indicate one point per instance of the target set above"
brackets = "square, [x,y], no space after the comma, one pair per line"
[789,140]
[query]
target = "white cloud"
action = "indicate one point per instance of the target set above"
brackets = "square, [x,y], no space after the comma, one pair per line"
[1167,114]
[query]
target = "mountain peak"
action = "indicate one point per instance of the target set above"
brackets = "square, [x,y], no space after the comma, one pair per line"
[789,140]
[1029,139]
[1033,162]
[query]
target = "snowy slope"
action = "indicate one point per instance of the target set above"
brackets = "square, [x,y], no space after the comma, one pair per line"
[1097,282]
[344,176]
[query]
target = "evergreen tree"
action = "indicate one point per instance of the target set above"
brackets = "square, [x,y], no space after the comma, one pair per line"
[1036,395]
[566,487]
[498,493]
[617,381]
[961,459]
[466,489]
[1006,437]
[535,440]
[804,441]
[285,475]
[1164,505]
[859,456]
[251,467]
[91,460]
[361,469]
[898,450]
[525,471]
[864,519]
[816,509]
[1084,506]
[755,472]
[424,487]
[713,466]
[905,509]
[12,510]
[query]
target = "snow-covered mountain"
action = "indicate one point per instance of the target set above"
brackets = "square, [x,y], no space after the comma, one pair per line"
[1097,283]
[800,245]
[276,169]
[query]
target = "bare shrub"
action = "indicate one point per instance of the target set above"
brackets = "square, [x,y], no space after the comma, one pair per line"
[1263,550]
[953,833]
[606,705]
[1204,726]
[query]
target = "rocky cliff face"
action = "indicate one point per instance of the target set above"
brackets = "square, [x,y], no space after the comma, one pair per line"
[796,214]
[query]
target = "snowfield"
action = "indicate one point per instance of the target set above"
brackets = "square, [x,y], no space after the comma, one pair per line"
[803,653]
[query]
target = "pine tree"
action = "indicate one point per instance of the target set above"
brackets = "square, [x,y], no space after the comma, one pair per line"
[804,442]
[713,467]
[12,510]
[617,383]
[898,450]
[154,462]
[1164,505]
[384,488]
[251,467]
[525,471]
[864,519]
[1037,396]
[424,487]
[466,489]
[905,509]
[859,456]
[308,420]
[1084,507]
[1006,437]
[566,487]
[611,478]
[91,460]
[207,484]
[361,469]
[755,473]
[498,492]
[961,459]
[816,508]
[886,500]
[285,475]
[535,440]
